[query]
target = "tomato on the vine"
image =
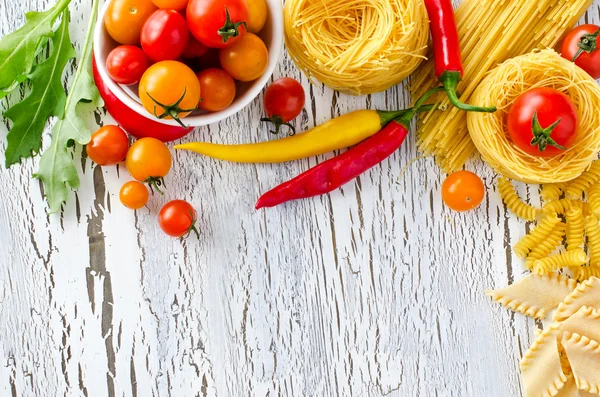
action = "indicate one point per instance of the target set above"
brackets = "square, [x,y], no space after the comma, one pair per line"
[257,15]
[165,35]
[581,45]
[176,5]
[218,89]
[134,195]
[463,191]
[543,122]
[247,59]
[178,219]
[169,90]
[284,100]
[108,145]
[149,160]
[124,19]
[217,23]
[126,64]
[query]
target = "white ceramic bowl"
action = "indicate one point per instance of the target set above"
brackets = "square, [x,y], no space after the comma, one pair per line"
[272,35]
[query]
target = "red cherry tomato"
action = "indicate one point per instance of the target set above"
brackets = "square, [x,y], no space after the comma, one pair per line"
[164,35]
[194,49]
[217,23]
[178,219]
[463,191]
[126,64]
[218,89]
[284,100]
[550,106]
[590,62]
[108,145]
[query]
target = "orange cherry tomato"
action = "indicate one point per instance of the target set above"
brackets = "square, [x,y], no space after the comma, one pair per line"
[176,5]
[247,59]
[108,145]
[124,19]
[149,160]
[218,89]
[172,84]
[463,191]
[257,15]
[134,195]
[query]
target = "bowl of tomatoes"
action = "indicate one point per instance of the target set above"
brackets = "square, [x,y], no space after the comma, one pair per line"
[188,62]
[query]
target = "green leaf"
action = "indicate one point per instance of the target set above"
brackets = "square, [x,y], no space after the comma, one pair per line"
[57,169]
[18,49]
[47,98]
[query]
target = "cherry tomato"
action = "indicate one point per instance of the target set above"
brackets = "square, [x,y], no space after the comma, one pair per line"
[550,107]
[149,161]
[165,35]
[134,195]
[257,15]
[194,49]
[126,64]
[284,100]
[247,59]
[178,219]
[210,59]
[463,191]
[588,61]
[170,89]
[177,5]
[218,89]
[108,145]
[124,19]
[217,23]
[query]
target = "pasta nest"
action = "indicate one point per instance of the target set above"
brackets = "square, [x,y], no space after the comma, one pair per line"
[356,46]
[503,85]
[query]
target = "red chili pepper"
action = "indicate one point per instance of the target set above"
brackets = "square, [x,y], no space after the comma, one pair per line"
[133,122]
[446,50]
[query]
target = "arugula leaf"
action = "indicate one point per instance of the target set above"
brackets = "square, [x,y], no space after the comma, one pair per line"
[18,49]
[47,98]
[57,170]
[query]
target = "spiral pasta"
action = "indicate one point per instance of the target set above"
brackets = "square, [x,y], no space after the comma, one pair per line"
[536,236]
[594,199]
[552,191]
[507,82]
[549,244]
[514,203]
[556,262]
[583,273]
[575,229]
[563,205]
[356,46]
[592,229]
[580,185]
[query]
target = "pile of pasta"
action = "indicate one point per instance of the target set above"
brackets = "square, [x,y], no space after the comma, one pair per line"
[564,360]
[491,31]
[504,85]
[356,46]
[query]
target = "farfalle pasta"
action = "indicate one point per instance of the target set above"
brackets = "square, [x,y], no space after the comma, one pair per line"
[584,357]
[586,293]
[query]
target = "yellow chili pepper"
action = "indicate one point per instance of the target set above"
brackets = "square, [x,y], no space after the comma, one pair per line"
[339,133]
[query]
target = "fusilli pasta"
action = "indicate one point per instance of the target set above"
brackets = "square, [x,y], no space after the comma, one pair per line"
[536,236]
[557,262]
[575,229]
[514,202]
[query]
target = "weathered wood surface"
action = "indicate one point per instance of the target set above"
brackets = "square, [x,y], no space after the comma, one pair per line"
[374,290]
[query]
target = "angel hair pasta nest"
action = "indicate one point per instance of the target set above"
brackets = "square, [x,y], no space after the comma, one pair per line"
[508,81]
[356,46]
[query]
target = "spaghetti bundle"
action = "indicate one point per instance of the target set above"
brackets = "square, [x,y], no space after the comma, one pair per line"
[504,85]
[491,31]
[356,46]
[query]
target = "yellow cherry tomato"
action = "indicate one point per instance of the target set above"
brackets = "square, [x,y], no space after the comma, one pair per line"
[149,161]
[257,15]
[124,19]
[134,195]
[169,90]
[247,59]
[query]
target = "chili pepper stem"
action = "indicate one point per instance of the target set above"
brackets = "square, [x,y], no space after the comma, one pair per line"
[587,43]
[450,80]
[155,182]
[278,121]
[230,29]
[172,110]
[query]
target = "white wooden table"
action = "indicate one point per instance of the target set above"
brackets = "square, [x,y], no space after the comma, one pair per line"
[374,290]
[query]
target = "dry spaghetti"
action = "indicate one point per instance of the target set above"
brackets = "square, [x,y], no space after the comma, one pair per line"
[490,31]
[507,82]
[356,46]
